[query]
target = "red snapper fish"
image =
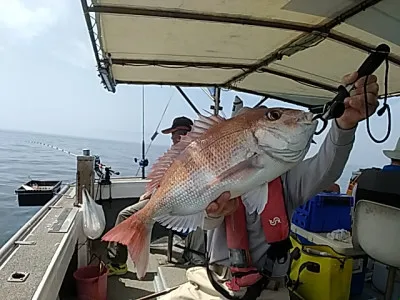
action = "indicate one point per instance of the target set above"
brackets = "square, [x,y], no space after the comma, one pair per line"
[240,155]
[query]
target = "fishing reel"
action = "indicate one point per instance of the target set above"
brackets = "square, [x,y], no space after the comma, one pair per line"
[108,171]
[97,163]
[336,107]
[143,163]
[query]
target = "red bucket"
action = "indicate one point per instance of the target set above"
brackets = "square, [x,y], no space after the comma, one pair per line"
[91,283]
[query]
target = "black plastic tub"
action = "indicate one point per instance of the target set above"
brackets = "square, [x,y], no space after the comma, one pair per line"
[41,193]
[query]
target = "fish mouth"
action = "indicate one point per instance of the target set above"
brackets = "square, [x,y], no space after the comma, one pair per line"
[309,118]
[297,143]
[293,151]
[305,144]
[308,121]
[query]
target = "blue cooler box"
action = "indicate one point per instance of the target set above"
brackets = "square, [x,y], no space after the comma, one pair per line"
[324,213]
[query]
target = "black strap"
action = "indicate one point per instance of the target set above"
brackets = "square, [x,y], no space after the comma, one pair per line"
[210,276]
[254,291]
[294,255]
[279,250]
[217,287]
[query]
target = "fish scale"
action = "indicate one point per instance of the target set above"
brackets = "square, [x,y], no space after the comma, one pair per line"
[240,155]
[194,193]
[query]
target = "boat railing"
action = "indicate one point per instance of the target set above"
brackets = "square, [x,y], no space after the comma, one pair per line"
[21,233]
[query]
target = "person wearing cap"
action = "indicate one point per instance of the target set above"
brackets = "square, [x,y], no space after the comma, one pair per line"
[180,126]
[394,156]
[268,279]
[195,239]
[118,254]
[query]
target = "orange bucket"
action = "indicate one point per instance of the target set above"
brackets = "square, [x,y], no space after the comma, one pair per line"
[91,283]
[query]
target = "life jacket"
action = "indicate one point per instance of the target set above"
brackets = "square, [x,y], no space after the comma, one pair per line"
[276,227]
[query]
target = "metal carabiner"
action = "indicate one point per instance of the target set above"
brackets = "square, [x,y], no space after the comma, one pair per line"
[321,116]
[324,123]
[333,109]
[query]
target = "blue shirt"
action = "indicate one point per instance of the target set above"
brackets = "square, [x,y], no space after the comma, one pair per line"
[391,168]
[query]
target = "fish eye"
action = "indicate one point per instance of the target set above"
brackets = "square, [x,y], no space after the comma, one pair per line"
[273,115]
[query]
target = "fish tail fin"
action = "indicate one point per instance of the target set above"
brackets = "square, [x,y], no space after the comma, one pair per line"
[136,235]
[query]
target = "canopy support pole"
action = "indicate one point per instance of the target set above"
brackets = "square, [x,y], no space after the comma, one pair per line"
[187,99]
[217,101]
[263,99]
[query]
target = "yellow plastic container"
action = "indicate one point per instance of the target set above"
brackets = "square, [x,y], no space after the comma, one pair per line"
[329,274]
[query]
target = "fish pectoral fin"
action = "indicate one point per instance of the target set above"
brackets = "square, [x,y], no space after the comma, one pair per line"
[256,199]
[185,223]
[248,165]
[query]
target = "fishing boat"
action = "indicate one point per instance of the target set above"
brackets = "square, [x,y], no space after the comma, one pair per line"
[293,51]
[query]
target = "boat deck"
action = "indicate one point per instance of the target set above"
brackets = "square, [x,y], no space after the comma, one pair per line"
[161,274]
[35,255]
[54,253]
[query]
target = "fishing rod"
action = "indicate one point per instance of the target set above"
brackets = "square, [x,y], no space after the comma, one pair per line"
[336,107]
[144,162]
[156,133]
[214,96]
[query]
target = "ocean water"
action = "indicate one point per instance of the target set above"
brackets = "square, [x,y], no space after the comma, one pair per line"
[22,160]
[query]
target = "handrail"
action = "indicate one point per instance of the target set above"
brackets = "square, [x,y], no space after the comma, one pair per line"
[7,247]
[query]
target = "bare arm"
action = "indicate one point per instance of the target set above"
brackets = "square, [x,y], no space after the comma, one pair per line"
[315,174]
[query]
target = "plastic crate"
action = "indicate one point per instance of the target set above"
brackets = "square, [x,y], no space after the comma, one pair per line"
[324,213]
[44,191]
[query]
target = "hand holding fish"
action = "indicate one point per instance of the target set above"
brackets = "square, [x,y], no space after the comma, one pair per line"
[219,159]
[145,196]
[355,104]
[223,206]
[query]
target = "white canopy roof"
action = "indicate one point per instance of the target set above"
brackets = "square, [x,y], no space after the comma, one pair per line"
[294,50]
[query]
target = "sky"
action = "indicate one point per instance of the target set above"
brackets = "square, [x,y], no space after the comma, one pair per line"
[51,86]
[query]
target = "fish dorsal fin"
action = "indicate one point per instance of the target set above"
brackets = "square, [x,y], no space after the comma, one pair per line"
[200,126]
